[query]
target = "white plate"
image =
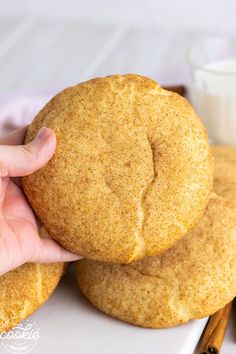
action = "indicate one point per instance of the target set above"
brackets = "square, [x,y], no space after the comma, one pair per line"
[70,324]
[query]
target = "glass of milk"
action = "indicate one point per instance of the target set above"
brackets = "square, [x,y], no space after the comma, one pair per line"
[212,87]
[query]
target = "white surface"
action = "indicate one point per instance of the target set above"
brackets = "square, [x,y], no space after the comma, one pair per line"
[70,324]
[43,55]
[37,56]
[216,15]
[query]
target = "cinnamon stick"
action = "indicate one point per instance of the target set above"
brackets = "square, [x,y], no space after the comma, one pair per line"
[180,89]
[215,331]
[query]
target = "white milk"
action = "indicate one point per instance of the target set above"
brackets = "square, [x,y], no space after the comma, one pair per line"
[213,95]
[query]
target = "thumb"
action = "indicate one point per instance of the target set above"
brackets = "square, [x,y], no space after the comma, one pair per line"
[49,251]
[22,160]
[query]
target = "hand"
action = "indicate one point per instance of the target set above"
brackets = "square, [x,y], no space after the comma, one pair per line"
[19,238]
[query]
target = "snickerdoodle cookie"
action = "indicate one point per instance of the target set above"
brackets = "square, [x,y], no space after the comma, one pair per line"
[24,289]
[132,172]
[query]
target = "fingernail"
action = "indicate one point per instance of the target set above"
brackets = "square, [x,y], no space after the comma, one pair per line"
[43,133]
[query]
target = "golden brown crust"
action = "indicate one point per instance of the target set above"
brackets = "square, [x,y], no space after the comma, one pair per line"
[132,172]
[193,279]
[24,289]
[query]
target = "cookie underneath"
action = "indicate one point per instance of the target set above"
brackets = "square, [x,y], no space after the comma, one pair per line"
[24,289]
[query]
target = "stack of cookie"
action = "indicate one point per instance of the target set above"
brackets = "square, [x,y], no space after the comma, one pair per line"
[130,189]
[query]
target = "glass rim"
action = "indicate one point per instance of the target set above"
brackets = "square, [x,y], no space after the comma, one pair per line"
[201,42]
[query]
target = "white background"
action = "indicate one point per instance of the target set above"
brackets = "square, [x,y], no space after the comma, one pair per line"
[49,44]
[217,15]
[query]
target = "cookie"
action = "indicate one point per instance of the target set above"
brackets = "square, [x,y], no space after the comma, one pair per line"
[132,171]
[24,289]
[193,279]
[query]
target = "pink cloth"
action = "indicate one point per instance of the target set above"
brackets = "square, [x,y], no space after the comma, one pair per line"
[19,110]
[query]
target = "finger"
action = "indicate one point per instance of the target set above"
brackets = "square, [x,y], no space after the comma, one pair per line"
[23,160]
[16,137]
[49,251]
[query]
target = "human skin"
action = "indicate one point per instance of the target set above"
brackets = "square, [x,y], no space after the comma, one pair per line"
[19,238]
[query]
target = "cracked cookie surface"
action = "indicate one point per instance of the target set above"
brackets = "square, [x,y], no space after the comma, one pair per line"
[24,289]
[132,172]
[193,279]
